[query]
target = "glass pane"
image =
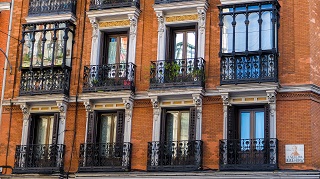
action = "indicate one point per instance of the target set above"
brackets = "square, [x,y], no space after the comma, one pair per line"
[191,46]
[58,53]
[27,49]
[259,125]
[227,35]
[266,31]
[240,34]
[48,49]
[123,49]
[114,131]
[184,127]
[245,125]
[37,50]
[253,32]
[178,47]
[112,51]
[108,129]
[44,130]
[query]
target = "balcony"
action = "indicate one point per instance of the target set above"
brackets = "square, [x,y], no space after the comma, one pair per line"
[105,157]
[109,77]
[45,80]
[169,1]
[108,4]
[248,154]
[249,68]
[174,156]
[177,73]
[49,7]
[39,158]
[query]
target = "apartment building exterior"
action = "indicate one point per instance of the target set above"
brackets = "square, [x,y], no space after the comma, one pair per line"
[161,85]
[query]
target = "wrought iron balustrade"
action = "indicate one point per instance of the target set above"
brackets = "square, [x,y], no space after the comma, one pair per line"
[177,73]
[170,1]
[39,158]
[107,4]
[248,154]
[105,157]
[249,68]
[174,156]
[45,81]
[109,77]
[47,7]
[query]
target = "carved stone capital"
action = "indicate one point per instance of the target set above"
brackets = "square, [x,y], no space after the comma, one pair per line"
[161,25]
[25,109]
[62,106]
[128,103]
[225,99]
[155,103]
[271,95]
[88,106]
[95,28]
[197,100]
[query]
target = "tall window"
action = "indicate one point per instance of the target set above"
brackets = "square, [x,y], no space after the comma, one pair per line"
[107,128]
[47,44]
[184,44]
[115,49]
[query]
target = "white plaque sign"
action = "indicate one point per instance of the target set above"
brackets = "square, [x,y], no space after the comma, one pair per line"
[295,153]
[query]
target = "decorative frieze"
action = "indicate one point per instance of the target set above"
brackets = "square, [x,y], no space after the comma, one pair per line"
[182,18]
[114,23]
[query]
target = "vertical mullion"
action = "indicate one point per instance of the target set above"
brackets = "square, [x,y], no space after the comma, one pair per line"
[32,46]
[260,27]
[43,43]
[247,28]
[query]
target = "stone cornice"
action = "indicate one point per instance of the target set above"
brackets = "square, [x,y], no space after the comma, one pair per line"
[225,2]
[113,13]
[181,7]
[51,18]
[4,6]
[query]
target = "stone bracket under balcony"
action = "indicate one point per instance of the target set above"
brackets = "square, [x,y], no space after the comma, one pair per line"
[248,154]
[179,73]
[175,156]
[109,77]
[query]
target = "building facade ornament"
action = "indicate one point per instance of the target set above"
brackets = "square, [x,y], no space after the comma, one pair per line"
[133,26]
[88,106]
[225,99]
[95,28]
[161,25]
[202,19]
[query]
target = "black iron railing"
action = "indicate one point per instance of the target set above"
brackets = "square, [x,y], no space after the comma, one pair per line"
[105,157]
[175,156]
[170,1]
[46,7]
[177,73]
[109,77]
[249,68]
[45,81]
[107,4]
[248,154]
[39,158]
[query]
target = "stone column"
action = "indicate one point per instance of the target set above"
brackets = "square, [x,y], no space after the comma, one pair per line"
[202,30]
[133,18]
[62,105]
[197,100]
[225,99]
[161,55]
[25,128]
[156,119]
[95,45]
[271,95]
[128,103]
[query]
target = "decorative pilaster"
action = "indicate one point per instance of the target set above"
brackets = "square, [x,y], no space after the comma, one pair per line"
[95,42]
[156,119]
[133,18]
[225,100]
[197,100]
[161,36]
[128,103]
[202,13]
[62,105]
[271,95]
[25,128]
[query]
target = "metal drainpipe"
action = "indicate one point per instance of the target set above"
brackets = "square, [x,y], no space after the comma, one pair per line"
[6,61]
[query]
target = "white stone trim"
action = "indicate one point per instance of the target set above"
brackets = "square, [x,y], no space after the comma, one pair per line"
[225,2]
[128,103]
[156,119]
[51,18]
[62,105]
[4,6]
[197,99]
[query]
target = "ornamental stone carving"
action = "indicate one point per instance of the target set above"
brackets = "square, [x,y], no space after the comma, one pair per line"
[88,106]
[95,29]
[202,19]
[271,96]
[161,25]
[225,99]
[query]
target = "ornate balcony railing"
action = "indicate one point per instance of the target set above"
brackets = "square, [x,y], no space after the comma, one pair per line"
[175,156]
[109,77]
[46,7]
[107,4]
[177,73]
[249,154]
[249,68]
[45,81]
[105,157]
[39,158]
[170,1]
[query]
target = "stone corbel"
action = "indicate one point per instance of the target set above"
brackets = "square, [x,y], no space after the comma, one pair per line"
[271,95]
[128,103]
[95,28]
[62,105]
[161,25]
[25,112]
[225,99]
[88,106]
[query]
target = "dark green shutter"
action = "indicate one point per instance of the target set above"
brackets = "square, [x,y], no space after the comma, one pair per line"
[91,129]
[55,128]
[31,130]
[163,125]
[267,121]
[231,123]
[192,124]
[120,126]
